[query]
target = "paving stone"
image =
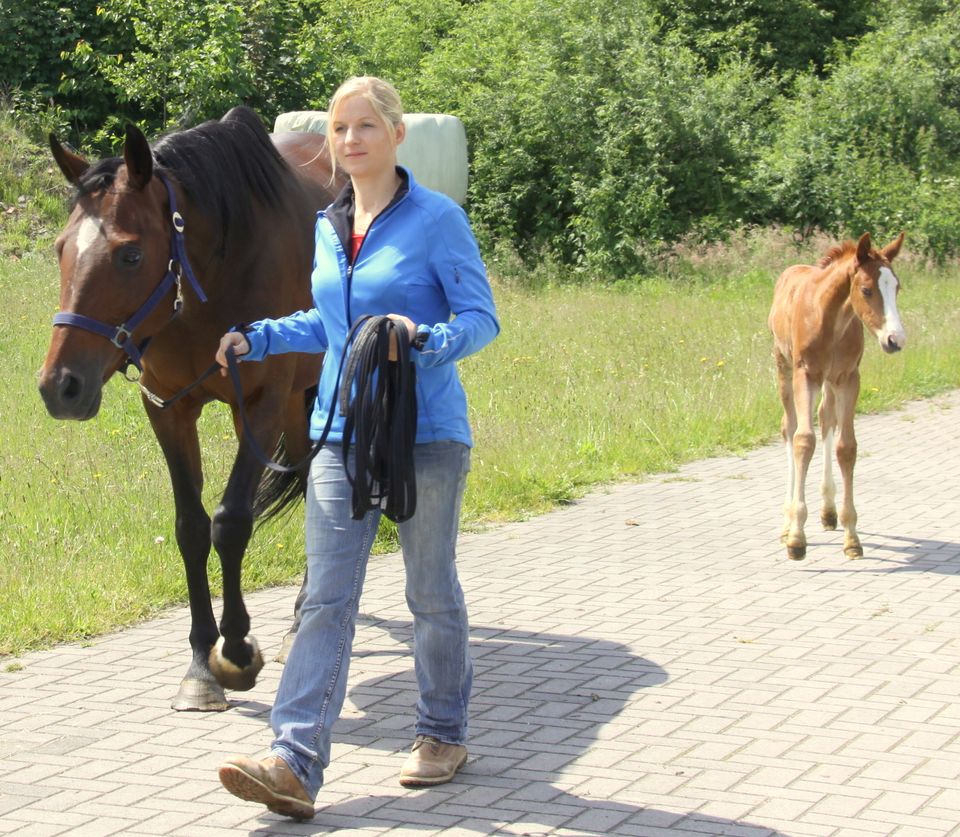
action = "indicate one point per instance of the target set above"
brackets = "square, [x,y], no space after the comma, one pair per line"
[648,662]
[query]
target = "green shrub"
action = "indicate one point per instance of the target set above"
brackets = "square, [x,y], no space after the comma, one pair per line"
[597,139]
[876,145]
[32,192]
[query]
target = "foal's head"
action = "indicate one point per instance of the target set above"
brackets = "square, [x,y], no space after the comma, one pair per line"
[873,292]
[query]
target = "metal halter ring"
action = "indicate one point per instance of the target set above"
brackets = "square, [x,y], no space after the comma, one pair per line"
[120,336]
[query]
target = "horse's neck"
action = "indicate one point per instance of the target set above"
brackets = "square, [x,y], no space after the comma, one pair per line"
[835,295]
[246,277]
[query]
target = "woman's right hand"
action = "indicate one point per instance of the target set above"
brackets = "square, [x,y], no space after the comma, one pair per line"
[231,340]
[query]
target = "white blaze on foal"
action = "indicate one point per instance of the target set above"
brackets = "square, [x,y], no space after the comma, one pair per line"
[892,337]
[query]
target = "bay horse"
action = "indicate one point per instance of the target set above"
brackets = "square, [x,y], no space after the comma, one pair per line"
[165,249]
[817,319]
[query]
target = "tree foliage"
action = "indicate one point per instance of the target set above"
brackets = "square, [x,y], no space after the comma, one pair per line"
[876,144]
[599,133]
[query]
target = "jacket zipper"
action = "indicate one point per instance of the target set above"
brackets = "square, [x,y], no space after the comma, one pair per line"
[388,210]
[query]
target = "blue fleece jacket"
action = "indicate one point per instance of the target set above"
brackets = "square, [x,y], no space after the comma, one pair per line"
[419,258]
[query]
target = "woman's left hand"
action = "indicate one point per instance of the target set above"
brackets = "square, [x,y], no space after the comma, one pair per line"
[411,333]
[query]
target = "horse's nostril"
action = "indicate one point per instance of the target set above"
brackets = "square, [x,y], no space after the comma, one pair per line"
[71,387]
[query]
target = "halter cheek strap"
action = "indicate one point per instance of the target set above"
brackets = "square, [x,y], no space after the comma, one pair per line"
[179,266]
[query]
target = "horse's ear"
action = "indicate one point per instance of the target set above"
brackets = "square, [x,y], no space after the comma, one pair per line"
[72,165]
[892,250]
[137,156]
[863,248]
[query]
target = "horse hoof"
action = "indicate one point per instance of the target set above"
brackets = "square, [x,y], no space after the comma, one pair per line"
[199,696]
[233,676]
[796,553]
[829,521]
[852,552]
[285,647]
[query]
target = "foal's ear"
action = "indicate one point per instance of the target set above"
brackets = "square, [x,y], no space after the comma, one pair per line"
[72,165]
[891,251]
[137,156]
[863,248]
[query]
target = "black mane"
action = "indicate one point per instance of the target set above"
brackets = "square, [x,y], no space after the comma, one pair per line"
[96,178]
[223,165]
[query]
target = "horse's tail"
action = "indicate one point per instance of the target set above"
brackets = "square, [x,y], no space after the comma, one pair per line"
[279,492]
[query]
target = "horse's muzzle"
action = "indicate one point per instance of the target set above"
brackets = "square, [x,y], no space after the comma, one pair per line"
[892,341]
[68,395]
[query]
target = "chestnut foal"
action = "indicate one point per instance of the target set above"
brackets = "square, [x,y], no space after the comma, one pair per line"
[817,319]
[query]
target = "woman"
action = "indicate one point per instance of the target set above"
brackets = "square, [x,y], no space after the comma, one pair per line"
[385,246]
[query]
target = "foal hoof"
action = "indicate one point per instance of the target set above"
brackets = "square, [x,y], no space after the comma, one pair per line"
[829,520]
[233,676]
[796,553]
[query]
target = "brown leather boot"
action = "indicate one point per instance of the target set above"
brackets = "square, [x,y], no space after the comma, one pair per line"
[431,762]
[270,782]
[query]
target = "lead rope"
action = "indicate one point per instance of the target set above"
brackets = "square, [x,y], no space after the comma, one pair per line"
[381,420]
[381,415]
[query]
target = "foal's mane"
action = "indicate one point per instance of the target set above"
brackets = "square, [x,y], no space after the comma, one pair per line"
[223,165]
[837,252]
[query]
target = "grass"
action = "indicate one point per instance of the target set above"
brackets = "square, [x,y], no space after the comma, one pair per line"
[587,384]
[32,192]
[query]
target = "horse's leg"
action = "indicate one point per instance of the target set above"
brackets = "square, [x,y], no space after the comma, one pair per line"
[828,487]
[296,434]
[846,458]
[291,635]
[804,442]
[788,426]
[176,431]
[236,659]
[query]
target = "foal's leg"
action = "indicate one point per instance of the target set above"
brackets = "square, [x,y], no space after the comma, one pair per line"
[788,426]
[176,431]
[846,458]
[804,442]
[828,487]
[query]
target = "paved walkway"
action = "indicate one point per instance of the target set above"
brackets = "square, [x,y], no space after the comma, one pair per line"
[648,663]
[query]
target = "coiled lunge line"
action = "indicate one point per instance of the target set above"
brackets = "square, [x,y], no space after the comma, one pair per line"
[377,397]
[381,419]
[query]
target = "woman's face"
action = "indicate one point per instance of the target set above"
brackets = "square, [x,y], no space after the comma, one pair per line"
[363,144]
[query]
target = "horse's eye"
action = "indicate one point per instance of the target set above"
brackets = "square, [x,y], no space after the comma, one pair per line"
[868,292]
[129,256]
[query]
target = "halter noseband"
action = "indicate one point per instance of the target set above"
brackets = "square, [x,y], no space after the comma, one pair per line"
[179,266]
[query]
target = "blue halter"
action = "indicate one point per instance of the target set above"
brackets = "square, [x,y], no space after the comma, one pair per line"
[122,335]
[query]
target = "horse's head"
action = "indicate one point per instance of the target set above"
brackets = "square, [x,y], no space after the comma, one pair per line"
[112,253]
[873,292]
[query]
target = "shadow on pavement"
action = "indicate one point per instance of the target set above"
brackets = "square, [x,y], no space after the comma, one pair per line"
[540,702]
[919,555]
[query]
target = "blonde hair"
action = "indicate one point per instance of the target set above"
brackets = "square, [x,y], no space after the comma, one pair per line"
[381,95]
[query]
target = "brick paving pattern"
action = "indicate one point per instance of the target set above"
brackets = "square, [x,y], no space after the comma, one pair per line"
[648,662]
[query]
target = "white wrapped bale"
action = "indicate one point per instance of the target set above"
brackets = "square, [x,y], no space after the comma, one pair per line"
[435,148]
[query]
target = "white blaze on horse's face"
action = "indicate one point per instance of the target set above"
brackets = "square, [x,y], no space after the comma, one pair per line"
[892,337]
[91,230]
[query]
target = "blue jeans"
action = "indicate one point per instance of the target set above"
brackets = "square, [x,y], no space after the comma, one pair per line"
[314,680]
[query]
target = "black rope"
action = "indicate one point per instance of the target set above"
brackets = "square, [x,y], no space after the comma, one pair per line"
[166,403]
[378,400]
[381,419]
